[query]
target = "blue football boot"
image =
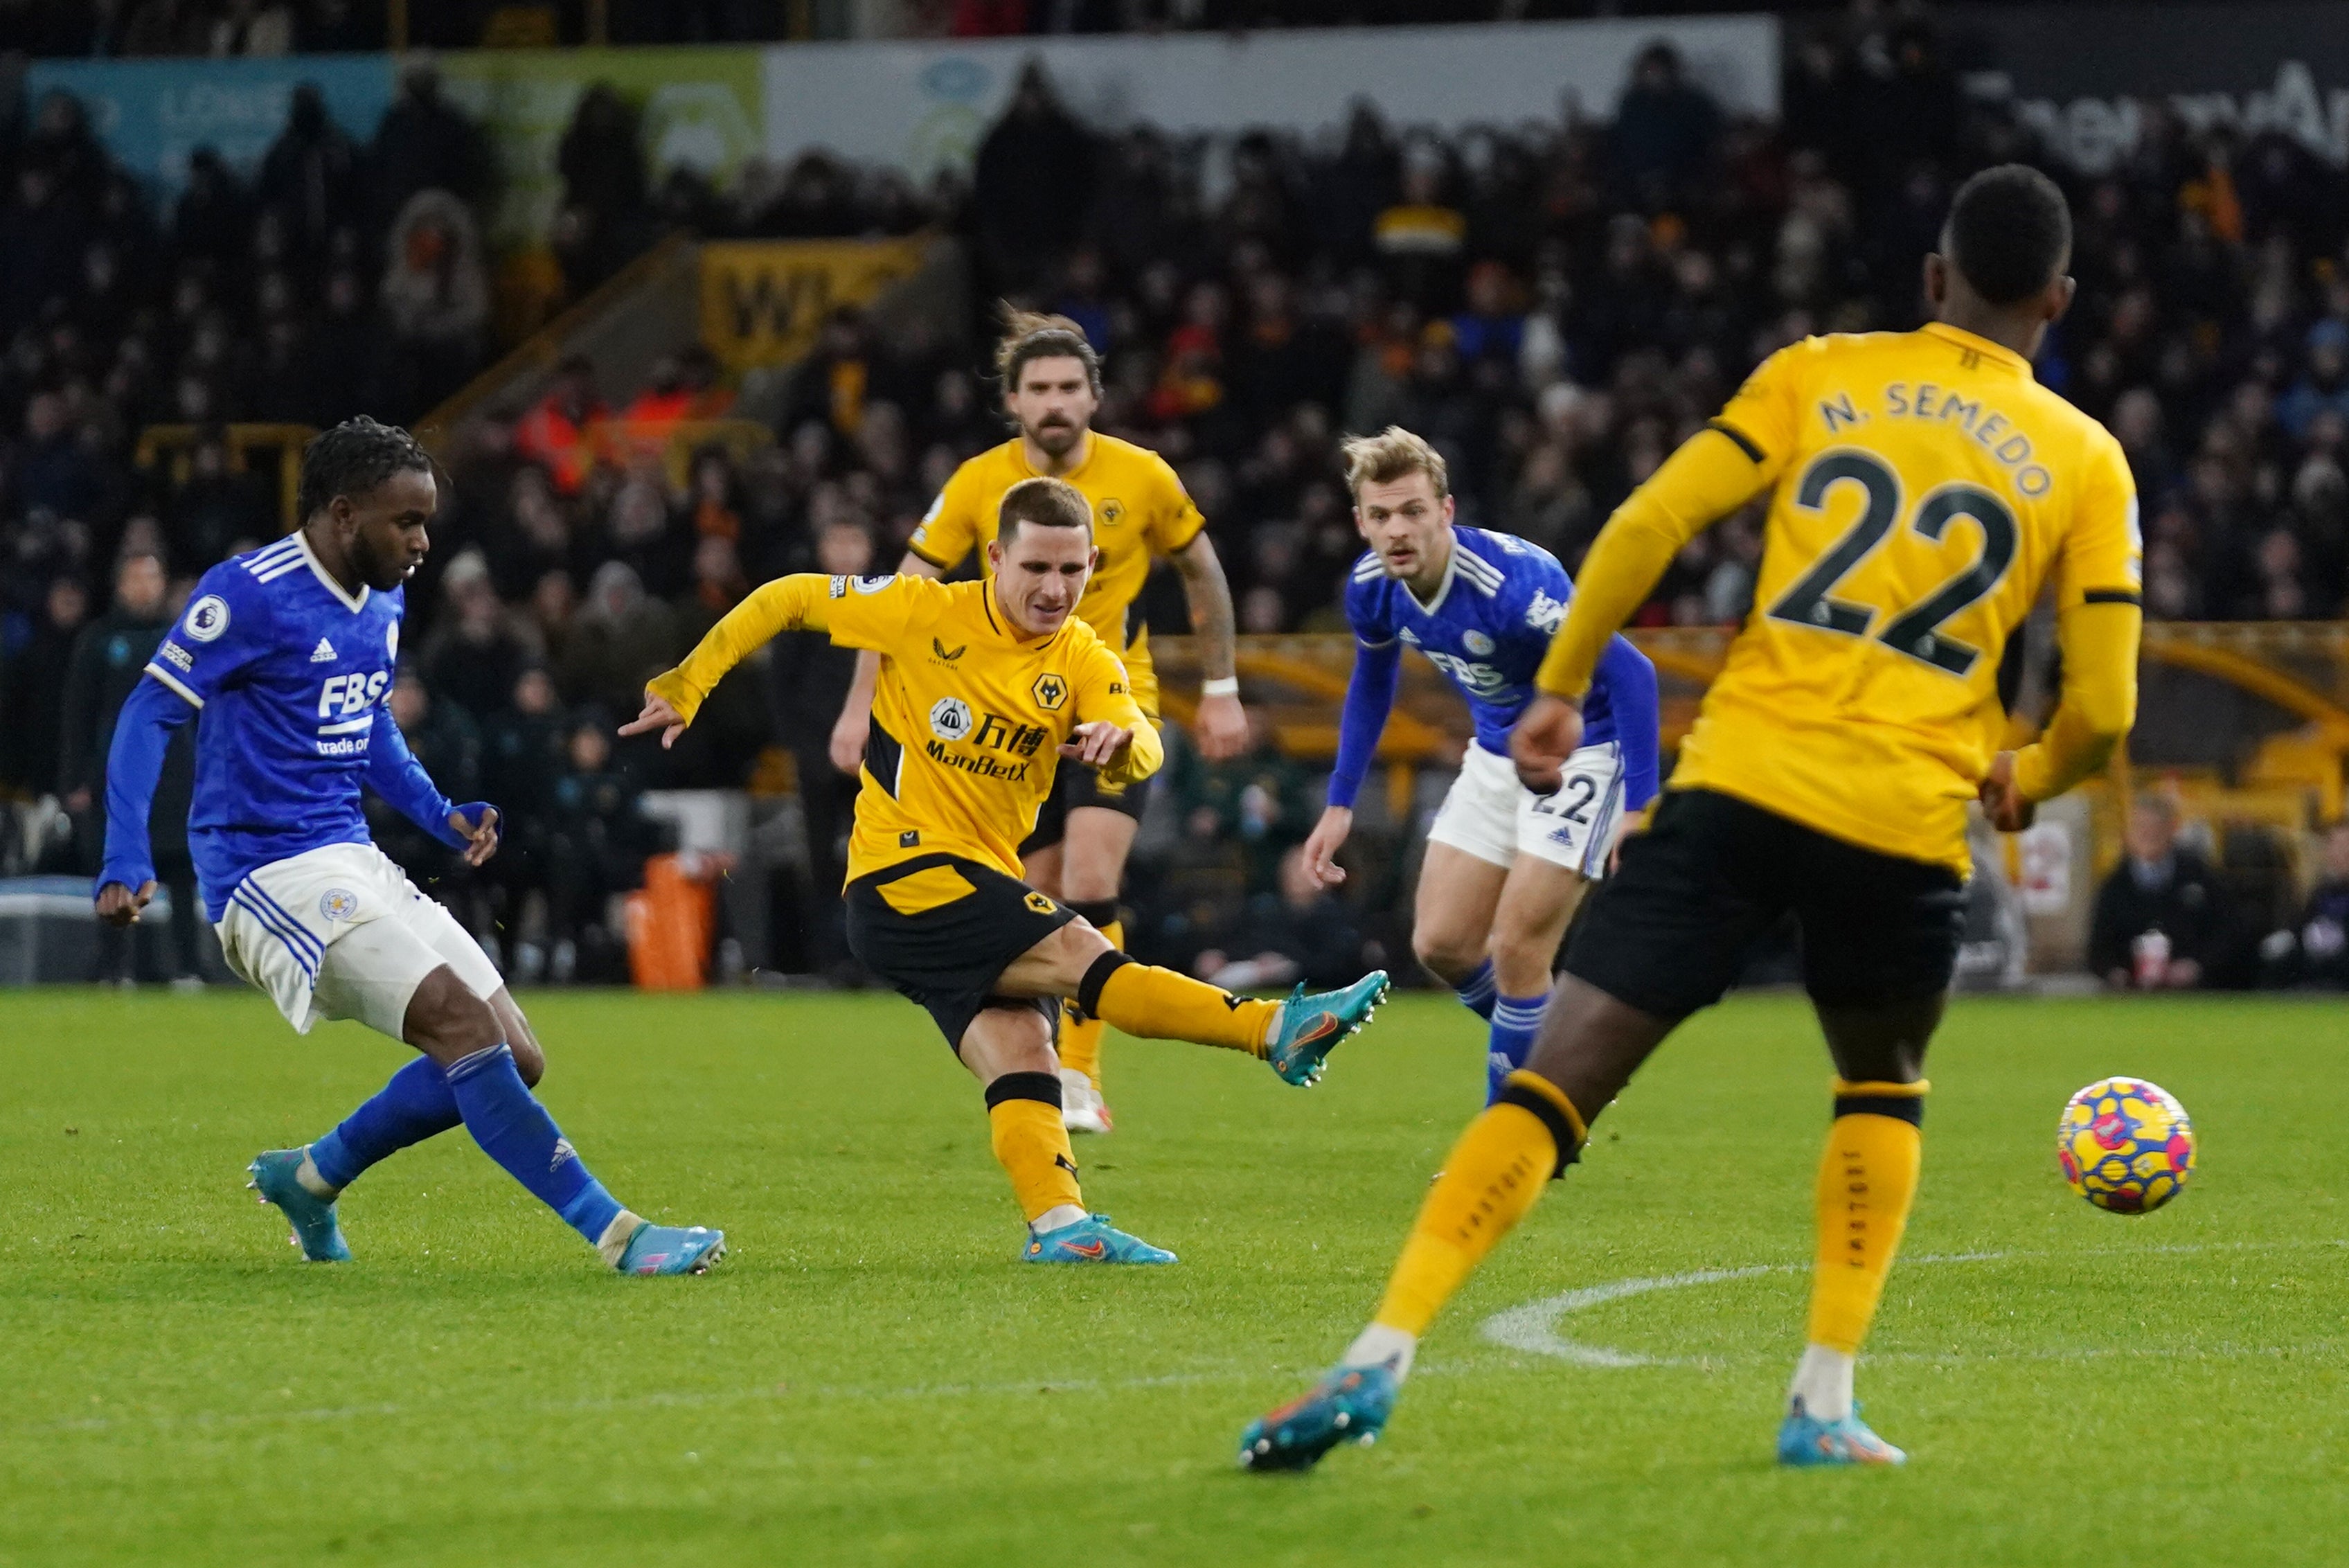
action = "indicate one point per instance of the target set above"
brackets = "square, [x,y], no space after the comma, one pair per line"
[1091,1240]
[314,1229]
[1310,1027]
[672,1249]
[1805,1440]
[1349,1406]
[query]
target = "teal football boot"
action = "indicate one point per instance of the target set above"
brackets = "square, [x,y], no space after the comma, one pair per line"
[275,1180]
[1804,1440]
[1091,1240]
[672,1249]
[1349,1406]
[1310,1027]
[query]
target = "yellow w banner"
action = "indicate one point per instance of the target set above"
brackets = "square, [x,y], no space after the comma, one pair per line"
[762,301]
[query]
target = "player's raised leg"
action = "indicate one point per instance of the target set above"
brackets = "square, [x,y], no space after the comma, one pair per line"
[1295,1035]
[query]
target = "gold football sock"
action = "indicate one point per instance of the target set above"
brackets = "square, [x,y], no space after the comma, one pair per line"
[1490,1182]
[1160,1004]
[1023,1112]
[1080,1031]
[1867,1182]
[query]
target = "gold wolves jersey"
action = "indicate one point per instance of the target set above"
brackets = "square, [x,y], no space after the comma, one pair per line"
[1926,488]
[968,717]
[1140,513]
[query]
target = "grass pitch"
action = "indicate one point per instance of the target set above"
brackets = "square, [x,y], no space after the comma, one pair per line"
[873,1378]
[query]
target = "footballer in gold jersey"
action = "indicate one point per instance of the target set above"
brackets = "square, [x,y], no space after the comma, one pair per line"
[1924,492]
[985,690]
[1077,849]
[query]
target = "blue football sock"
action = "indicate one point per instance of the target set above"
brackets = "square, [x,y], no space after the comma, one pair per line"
[416,1104]
[1477,992]
[1515,1021]
[514,1129]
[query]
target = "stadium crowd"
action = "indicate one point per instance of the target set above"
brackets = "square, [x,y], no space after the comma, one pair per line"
[1554,306]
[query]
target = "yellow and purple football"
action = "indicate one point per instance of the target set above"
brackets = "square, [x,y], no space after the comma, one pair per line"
[2125,1144]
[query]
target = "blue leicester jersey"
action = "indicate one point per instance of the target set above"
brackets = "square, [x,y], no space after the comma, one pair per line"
[1487,627]
[290,675]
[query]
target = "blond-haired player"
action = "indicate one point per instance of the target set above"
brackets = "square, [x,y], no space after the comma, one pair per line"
[985,691]
[1051,388]
[1505,866]
[1924,489]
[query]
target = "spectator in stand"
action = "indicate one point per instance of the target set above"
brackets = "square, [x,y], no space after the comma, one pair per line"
[621,638]
[524,759]
[310,180]
[1665,134]
[436,299]
[109,658]
[50,470]
[1032,184]
[605,210]
[32,691]
[1259,802]
[2313,951]
[470,657]
[560,431]
[2323,384]
[599,839]
[220,511]
[807,684]
[2160,918]
[1298,931]
[425,145]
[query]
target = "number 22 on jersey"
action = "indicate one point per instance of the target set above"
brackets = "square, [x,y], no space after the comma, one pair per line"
[1915,628]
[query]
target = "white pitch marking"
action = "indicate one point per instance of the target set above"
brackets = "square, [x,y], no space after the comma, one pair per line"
[1533,1327]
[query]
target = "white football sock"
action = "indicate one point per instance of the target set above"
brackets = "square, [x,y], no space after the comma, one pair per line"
[1379,1344]
[1823,1383]
[312,1182]
[1052,1219]
[613,1245]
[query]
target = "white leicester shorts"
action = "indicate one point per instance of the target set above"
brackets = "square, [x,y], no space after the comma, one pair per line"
[1489,815]
[341,933]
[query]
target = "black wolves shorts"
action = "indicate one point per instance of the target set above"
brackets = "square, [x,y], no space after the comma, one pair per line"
[1669,932]
[1075,784]
[943,929]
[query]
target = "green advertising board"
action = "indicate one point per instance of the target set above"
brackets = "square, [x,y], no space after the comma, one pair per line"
[698,107]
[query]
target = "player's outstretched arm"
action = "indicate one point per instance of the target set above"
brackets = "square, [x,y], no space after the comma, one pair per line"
[1631,680]
[855,726]
[804,601]
[1222,722]
[395,774]
[1370,699]
[143,732]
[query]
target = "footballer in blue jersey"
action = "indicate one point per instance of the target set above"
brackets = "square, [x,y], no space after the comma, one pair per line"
[285,657]
[1504,867]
